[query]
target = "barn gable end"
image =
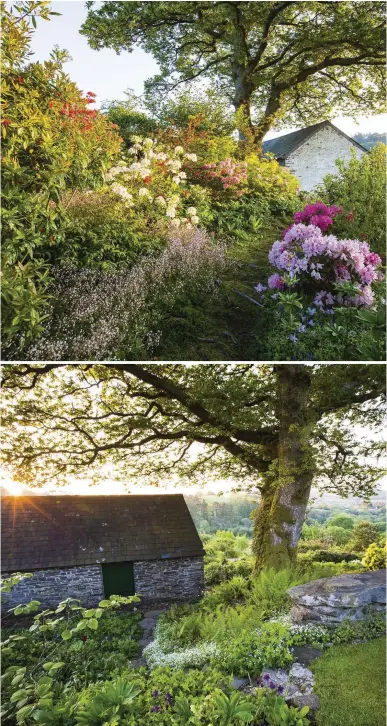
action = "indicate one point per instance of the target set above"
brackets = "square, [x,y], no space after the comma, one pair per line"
[311,153]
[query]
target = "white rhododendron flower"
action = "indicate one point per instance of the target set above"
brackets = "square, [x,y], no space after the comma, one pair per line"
[179,150]
[171,212]
[194,219]
[175,222]
[161,156]
[122,192]
[143,192]
[174,165]
[176,179]
[191,157]
[183,175]
[191,210]
[160,200]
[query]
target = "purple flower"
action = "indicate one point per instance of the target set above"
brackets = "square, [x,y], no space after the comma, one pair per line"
[311,323]
[280,690]
[155,709]
[272,685]
[266,677]
[260,288]
[276,281]
[293,338]
[155,694]
[168,698]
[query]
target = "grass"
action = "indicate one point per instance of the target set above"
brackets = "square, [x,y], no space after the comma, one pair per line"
[350,680]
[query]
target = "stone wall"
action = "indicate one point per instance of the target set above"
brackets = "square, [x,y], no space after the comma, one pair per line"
[175,579]
[316,157]
[51,586]
[171,579]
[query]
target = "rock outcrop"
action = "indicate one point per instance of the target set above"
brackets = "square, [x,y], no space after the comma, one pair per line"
[332,599]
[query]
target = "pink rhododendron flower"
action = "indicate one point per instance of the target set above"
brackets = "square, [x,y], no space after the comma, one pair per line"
[276,281]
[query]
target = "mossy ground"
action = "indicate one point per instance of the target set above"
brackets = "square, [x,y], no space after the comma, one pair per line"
[351,683]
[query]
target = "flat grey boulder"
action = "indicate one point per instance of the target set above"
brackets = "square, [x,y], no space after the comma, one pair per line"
[332,599]
[302,678]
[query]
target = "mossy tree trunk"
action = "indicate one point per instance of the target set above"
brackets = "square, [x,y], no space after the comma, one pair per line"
[281,512]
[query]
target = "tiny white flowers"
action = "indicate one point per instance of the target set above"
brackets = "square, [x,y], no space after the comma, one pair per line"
[191,210]
[179,150]
[194,219]
[160,200]
[191,157]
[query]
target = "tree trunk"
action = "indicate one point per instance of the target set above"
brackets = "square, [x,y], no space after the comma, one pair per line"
[281,512]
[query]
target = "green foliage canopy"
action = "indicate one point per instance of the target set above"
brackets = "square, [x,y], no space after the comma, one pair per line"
[289,62]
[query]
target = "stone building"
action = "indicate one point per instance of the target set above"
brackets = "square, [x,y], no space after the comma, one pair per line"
[91,547]
[311,153]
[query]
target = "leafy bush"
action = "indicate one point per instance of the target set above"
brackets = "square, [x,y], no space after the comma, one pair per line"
[363,535]
[217,571]
[125,314]
[375,557]
[360,187]
[332,271]
[51,141]
[101,232]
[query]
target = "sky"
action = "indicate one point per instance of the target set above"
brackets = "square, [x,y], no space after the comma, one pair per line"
[109,75]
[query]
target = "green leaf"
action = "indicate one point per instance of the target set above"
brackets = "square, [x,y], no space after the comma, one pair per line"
[92,624]
[66,634]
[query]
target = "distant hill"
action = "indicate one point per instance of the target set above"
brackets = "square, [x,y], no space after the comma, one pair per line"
[369,140]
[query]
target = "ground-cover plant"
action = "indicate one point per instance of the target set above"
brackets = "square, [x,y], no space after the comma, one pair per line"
[124,315]
[345,672]
[44,664]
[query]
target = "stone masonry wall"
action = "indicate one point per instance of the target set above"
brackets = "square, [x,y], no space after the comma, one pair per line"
[51,586]
[316,157]
[174,579]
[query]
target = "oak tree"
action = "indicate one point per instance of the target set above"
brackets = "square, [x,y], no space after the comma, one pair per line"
[273,428]
[277,62]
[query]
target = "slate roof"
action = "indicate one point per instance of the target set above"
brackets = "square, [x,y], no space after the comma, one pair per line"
[284,145]
[65,531]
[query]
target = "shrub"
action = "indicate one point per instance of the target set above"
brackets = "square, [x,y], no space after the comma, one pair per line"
[375,557]
[101,232]
[341,520]
[337,535]
[125,314]
[333,271]
[359,187]
[51,141]
[363,535]
[216,572]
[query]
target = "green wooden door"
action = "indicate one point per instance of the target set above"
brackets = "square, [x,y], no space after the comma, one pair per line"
[118,578]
